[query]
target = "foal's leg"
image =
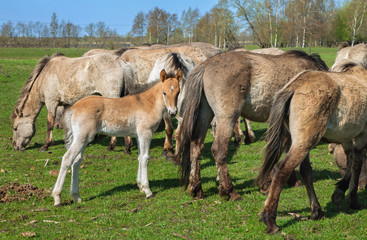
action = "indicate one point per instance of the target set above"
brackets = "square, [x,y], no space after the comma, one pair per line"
[222,137]
[68,159]
[306,174]
[144,139]
[168,142]
[74,187]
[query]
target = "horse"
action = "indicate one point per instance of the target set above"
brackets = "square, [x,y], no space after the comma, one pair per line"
[135,115]
[229,85]
[356,53]
[59,80]
[249,136]
[314,106]
[144,60]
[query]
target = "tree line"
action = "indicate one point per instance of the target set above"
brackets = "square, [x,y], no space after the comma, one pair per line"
[229,24]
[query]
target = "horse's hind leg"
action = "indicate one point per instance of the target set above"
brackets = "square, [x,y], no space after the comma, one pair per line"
[168,142]
[196,147]
[68,159]
[306,174]
[342,185]
[222,137]
[74,188]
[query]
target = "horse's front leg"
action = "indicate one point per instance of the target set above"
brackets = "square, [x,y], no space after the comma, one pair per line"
[50,127]
[144,140]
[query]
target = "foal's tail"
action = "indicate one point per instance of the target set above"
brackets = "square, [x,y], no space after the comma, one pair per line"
[68,132]
[275,135]
[189,111]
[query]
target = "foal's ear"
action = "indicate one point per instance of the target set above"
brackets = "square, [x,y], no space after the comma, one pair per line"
[179,75]
[163,75]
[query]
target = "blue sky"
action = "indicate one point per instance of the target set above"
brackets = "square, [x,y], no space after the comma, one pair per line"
[117,14]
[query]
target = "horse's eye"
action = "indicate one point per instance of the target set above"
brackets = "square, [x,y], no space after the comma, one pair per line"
[164,93]
[15,129]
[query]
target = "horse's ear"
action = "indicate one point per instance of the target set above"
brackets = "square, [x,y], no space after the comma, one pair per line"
[163,75]
[179,75]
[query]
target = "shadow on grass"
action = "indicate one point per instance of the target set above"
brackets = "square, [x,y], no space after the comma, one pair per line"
[330,210]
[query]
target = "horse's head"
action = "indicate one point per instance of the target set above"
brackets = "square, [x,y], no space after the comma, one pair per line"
[171,89]
[23,130]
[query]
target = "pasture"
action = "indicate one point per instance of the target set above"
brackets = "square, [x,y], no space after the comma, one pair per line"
[113,207]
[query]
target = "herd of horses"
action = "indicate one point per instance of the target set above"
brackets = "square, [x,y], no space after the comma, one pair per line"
[129,92]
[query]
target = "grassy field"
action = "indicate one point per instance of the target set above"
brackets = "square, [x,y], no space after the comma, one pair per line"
[113,207]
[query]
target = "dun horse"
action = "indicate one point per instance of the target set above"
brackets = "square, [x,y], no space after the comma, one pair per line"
[356,53]
[134,115]
[314,106]
[59,80]
[227,86]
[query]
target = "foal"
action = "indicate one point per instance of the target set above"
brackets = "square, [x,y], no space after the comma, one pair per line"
[133,115]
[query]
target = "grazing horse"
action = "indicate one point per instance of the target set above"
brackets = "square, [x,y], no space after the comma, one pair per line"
[59,80]
[316,106]
[134,115]
[227,86]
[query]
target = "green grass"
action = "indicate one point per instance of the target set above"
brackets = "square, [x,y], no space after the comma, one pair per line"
[113,207]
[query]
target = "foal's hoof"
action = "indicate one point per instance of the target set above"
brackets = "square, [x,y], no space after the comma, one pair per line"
[150,196]
[338,197]
[199,194]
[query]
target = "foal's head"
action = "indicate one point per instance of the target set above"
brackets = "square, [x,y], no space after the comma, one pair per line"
[170,90]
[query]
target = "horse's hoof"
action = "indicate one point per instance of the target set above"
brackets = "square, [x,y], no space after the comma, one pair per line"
[338,197]
[354,204]
[234,196]
[164,153]
[43,149]
[110,148]
[128,152]
[198,194]
[317,214]
[150,196]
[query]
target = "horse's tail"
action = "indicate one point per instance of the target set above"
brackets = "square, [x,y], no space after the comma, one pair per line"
[128,83]
[68,132]
[275,135]
[189,111]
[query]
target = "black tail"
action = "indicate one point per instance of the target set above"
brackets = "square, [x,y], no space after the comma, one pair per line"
[275,135]
[189,111]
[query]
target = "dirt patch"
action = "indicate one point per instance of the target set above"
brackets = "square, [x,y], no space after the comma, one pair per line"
[14,192]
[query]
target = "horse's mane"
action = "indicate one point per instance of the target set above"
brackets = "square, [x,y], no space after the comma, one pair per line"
[176,62]
[314,57]
[30,82]
[121,51]
[345,65]
[343,45]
